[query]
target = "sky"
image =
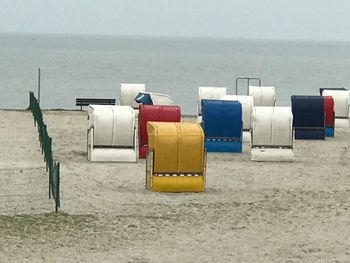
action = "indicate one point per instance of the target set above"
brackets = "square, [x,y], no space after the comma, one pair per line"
[325,20]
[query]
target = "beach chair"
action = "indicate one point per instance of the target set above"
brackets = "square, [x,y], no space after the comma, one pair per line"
[329,115]
[111,134]
[263,96]
[322,89]
[222,125]
[128,92]
[154,113]
[272,134]
[176,158]
[247,109]
[308,117]
[341,106]
[209,93]
[149,98]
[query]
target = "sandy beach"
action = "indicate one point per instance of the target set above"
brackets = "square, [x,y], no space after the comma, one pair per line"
[250,211]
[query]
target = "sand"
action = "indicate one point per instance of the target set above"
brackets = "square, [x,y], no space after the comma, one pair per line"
[250,211]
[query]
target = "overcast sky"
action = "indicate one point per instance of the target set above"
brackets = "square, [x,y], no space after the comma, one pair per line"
[277,19]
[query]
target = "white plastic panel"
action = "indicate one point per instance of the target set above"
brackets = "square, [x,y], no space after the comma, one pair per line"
[341,102]
[128,92]
[210,93]
[247,108]
[262,95]
[272,126]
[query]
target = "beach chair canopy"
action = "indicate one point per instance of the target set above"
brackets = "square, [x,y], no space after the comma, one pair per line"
[128,92]
[222,119]
[329,111]
[272,126]
[178,147]
[149,98]
[112,125]
[322,89]
[262,95]
[308,111]
[156,113]
[341,102]
[247,107]
[209,93]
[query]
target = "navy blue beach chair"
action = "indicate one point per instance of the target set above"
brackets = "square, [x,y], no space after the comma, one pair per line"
[308,117]
[222,125]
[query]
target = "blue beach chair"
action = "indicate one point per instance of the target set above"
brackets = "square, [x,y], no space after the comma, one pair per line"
[308,117]
[222,125]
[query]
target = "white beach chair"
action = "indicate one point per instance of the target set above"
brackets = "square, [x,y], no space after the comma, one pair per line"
[247,109]
[209,93]
[272,134]
[128,92]
[111,134]
[341,106]
[263,96]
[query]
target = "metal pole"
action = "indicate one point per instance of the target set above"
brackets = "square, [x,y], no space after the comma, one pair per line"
[39,86]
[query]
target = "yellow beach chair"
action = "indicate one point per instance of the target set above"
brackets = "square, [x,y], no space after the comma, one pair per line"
[176,158]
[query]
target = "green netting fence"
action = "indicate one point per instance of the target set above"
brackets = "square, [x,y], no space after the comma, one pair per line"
[52,166]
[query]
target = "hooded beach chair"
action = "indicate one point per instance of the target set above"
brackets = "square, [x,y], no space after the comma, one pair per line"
[329,115]
[247,109]
[111,134]
[149,98]
[222,125]
[176,157]
[154,113]
[263,96]
[272,134]
[128,92]
[322,89]
[209,93]
[341,106]
[308,117]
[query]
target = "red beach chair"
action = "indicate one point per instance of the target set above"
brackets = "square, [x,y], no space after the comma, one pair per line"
[159,113]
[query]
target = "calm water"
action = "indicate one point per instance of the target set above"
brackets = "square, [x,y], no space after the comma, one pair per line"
[81,66]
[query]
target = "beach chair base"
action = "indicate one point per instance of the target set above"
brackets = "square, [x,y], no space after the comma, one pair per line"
[310,134]
[246,136]
[330,132]
[342,123]
[223,146]
[172,183]
[112,155]
[272,155]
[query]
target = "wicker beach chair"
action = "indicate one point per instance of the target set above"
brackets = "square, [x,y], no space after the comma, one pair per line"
[222,125]
[308,117]
[111,134]
[209,93]
[154,113]
[176,158]
[272,134]
[128,92]
[341,106]
[262,95]
[247,109]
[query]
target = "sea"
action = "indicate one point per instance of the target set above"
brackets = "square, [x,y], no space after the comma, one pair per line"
[94,66]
